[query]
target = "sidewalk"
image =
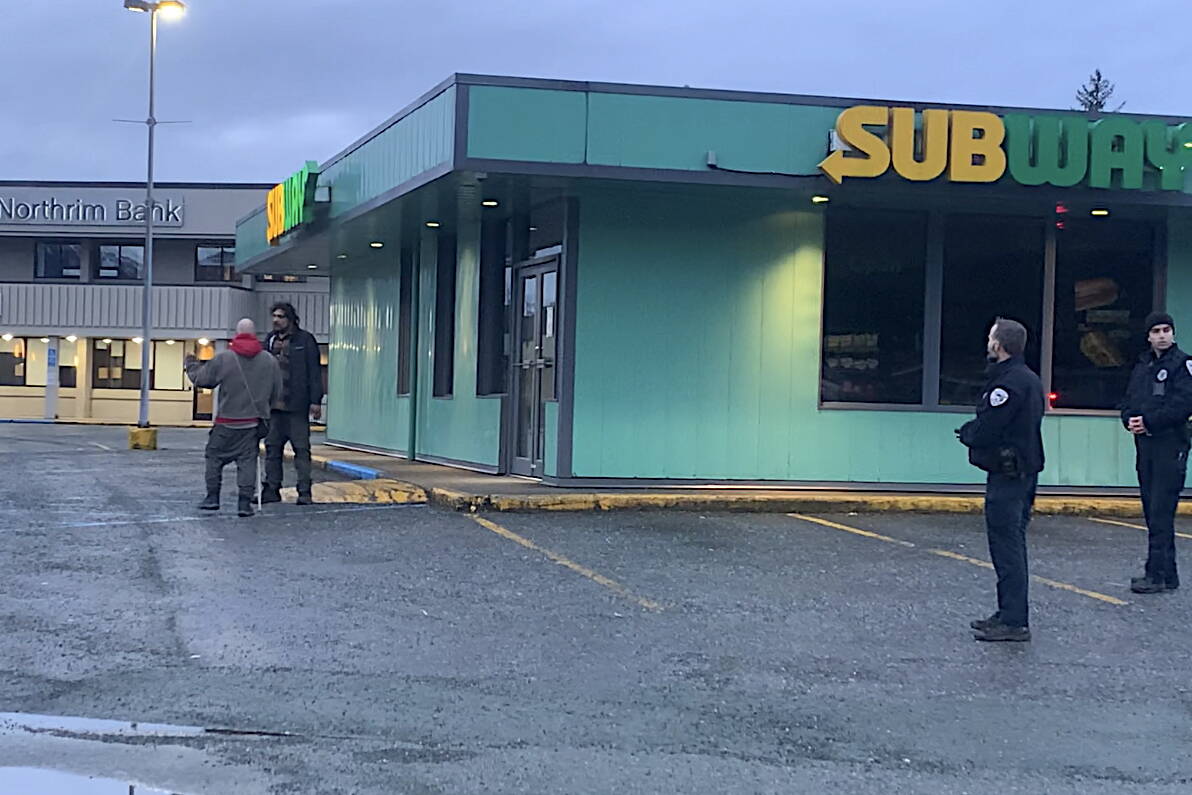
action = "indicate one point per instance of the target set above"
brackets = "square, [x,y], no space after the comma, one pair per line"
[460,490]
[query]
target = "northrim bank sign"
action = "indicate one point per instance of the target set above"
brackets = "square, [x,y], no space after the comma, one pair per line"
[95,207]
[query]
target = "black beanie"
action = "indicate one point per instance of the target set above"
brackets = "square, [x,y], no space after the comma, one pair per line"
[1158,319]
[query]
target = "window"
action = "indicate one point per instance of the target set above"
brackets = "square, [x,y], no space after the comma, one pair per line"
[1104,288]
[120,262]
[993,267]
[874,279]
[288,278]
[116,364]
[59,260]
[166,366]
[12,361]
[492,360]
[68,357]
[444,356]
[215,264]
[405,320]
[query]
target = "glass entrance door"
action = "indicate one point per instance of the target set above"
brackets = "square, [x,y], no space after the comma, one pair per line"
[534,385]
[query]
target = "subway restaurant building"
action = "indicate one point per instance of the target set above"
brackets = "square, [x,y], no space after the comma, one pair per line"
[597,284]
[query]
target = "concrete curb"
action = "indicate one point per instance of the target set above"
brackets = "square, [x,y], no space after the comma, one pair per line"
[771,502]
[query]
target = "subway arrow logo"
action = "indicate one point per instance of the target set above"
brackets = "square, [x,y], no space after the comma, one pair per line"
[291,203]
[978,146]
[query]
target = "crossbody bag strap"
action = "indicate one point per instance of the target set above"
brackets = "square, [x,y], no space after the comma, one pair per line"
[247,386]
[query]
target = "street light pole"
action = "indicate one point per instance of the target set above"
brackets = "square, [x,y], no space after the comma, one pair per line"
[152,7]
[146,293]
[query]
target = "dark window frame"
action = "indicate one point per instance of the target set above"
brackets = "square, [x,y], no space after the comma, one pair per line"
[446,268]
[97,261]
[405,320]
[932,317]
[227,264]
[38,272]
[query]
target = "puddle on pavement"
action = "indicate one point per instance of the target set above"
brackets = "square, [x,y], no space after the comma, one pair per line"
[39,781]
[65,725]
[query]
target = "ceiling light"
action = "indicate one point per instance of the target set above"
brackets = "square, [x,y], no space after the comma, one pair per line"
[138,340]
[533,229]
[45,340]
[433,224]
[819,199]
[490,203]
[6,338]
[204,341]
[71,338]
[341,256]
[312,267]
[170,342]
[376,244]
[1188,144]
[1100,211]
[107,340]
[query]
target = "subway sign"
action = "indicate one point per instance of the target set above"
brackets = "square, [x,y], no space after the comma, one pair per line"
[978,146]
[291,203]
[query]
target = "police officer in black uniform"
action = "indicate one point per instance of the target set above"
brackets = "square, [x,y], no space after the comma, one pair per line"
[1158,402]
[1006,441]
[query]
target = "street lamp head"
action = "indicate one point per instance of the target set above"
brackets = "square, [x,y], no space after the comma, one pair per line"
[140,6]
[171,9]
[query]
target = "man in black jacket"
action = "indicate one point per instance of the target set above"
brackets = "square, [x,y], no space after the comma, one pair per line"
[297,352]
[1158,402]
[1006,441]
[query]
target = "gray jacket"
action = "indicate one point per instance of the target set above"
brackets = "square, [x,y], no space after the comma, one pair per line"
[261,378]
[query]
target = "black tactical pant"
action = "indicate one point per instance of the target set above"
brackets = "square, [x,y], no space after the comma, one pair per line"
[225,445]
[1008,504]
[1162,464]
[292,427]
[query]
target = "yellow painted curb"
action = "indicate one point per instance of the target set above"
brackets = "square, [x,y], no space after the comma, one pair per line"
[362,492]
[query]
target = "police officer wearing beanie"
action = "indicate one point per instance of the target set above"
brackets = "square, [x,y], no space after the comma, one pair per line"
[1006,441]
[1156,408]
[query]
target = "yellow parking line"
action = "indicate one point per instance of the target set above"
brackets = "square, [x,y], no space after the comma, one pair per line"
[1129,524]
[584,571]
[943,553]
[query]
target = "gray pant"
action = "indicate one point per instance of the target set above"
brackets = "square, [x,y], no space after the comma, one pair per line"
[225,445]
[292,427]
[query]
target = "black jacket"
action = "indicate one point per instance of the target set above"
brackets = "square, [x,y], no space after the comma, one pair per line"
[305,384]
[1160,392]
[1007,435]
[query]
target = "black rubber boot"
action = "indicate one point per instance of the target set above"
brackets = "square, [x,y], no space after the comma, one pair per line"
[270,494]
[305,498]
[244,509]
[211,503]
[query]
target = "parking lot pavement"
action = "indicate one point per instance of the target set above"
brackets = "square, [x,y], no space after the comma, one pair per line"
[406,649]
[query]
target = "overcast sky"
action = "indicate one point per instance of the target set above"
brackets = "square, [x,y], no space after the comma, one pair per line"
[267,84]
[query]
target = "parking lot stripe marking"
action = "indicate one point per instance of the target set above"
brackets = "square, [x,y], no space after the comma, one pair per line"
[1135,526]
[854,530]
[943,553]
[583,571]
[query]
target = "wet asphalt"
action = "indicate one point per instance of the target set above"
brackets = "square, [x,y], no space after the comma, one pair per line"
[405,649]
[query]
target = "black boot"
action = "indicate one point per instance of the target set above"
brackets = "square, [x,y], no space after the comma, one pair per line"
[1003,632]
[270,494]
[1148,585]
[305,497]
[983,624]
[244,509]
[211,503]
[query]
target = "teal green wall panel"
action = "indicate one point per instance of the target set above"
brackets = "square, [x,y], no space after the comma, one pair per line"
[1179,273]
[526,124]
[697,336]
[417,143]
[463,427]
[677,133]
[250,236]
[363,406]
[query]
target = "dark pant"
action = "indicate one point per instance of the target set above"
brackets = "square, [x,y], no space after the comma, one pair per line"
[1008,504]
[225,445]
[1162,465]
[292,427]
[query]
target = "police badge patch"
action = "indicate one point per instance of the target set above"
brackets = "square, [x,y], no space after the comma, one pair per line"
[999,396]
[1188,364]
[1162,375]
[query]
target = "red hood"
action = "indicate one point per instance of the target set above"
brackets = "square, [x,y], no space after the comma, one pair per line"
[246,345]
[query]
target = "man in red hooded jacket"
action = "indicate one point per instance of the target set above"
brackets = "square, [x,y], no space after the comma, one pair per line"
[249,382]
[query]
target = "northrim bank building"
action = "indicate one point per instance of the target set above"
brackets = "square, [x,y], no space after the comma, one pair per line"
[605,284]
